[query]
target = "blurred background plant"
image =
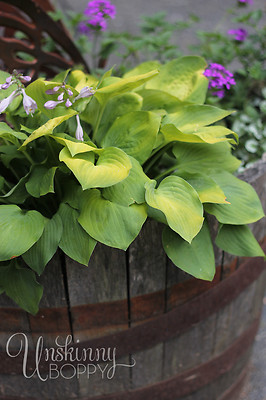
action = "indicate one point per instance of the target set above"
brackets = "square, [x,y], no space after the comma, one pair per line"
[238,83]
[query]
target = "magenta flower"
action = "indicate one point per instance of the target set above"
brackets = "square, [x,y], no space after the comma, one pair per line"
[97,13]
[240,34]
[219,78]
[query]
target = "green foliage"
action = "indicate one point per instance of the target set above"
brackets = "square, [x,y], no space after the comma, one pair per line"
[150,150]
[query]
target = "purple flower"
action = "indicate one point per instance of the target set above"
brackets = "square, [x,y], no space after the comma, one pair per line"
[102,8]
[219,78]
[68,103]
[50,104]
[79,130]
[8,100]
[52,91]
[29,104]
[85,92]
[240,34]
[246,1]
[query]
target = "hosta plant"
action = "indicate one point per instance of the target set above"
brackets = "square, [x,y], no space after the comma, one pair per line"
[86,160]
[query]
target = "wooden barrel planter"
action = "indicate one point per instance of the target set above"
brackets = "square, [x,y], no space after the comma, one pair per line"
[175,338]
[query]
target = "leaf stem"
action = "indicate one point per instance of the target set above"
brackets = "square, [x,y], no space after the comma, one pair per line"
[166,172]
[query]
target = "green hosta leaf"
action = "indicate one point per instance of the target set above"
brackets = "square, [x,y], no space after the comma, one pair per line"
[122,86]
[197,258]
[41,252]
[110,223]
[75,242]
[135,133]
[205,157]
[41,181]
[130,190]
[48,127]
[238,240]
[206,187]
[244,207]
[112,166]
[182,78]
[21,286]
[9,134]
[116,107]
[180,204]
[143,68]
[159,100]
[18,194]
[19,230]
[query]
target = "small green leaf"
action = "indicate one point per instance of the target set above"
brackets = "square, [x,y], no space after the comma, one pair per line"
[41,181]
[42,251]
[244,207]
[18,194]
[21,286]
[195,258]
[239,241]
[10,134]
[180,204]
[135,133]
[110,223]
[19,230]
[75,242]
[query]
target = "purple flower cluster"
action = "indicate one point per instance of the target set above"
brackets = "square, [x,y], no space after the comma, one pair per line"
[219,78]
[97,12]
[246,1]
[240,34]
[29,104]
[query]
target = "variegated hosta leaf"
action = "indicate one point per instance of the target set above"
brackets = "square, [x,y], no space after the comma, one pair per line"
[19,230]
[204,157]
[130,190]
[195,258]
[112,166]
[110,223]
[206,187]
[238,240]
[135,133]
[182,78]
[180,204]
[244,207]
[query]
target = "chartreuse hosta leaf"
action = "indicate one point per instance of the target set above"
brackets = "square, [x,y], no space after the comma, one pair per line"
[41,181]
[47,128]
[130,190]
[116,107]
[195,258]
[110,223]
[158,100]
[112,166]
[122,86]
[182,78]
[194,157]
[238,240]
[189,125]
[19,230]
[74,146]
[75,242]
[180,204]
[135,133]
[206,187]
[42,251]
[244,207]
[143,68]
[20,285]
